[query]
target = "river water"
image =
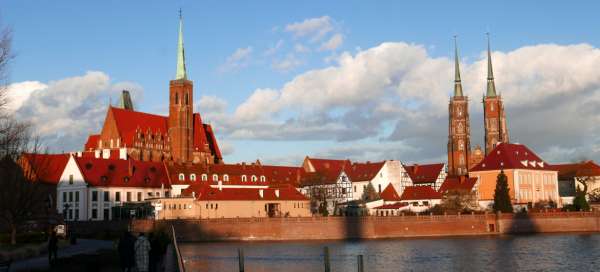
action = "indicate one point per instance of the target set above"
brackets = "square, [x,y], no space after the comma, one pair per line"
[548,252]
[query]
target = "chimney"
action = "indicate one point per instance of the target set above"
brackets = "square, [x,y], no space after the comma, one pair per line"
[261,193]
[220,185]
[277,193]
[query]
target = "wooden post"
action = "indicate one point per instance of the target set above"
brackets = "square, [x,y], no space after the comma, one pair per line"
[360,263]
[241,259]
[326,259]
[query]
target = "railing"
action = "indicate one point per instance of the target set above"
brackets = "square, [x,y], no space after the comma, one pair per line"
[180,265]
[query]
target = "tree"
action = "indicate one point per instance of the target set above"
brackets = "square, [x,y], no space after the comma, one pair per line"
[501,195]
[459,201]
[370,194]
[579,202]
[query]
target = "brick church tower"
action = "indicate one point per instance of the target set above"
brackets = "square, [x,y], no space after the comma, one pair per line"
[181,107]
[493,112]
[459,132]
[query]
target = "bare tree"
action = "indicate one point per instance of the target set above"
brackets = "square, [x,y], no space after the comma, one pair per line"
[459,200]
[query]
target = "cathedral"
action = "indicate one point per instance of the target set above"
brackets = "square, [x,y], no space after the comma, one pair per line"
[460,156]
[180,137]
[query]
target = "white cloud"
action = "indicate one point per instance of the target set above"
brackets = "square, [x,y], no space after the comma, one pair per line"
[287,64]
[17,93]
[239,59]
[314,28]
[299,48]
[66,111]
[274,49]
[333,43]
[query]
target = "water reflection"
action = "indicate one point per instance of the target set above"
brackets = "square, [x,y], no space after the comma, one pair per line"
[496,253]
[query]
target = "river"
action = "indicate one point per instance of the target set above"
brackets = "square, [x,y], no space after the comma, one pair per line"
[543,252]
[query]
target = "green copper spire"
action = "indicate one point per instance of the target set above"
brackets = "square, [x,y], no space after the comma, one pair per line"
[181,73]
[457,84]
[491,87]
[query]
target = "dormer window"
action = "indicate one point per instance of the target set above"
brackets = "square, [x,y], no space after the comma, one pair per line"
[126,179]
[215,177]
[204,177]
[244,178]
[254,179]
[104,178]
[181,177]
[193,177]
[263,179]
[225,177]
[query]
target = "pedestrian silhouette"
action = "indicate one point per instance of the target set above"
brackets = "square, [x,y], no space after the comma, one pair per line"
[142,253]
[127,251]
[52,248]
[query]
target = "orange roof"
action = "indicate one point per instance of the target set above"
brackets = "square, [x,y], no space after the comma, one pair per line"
[364,171]
[457,183]
[511,156]
[390,194]
[128,121]
[48,168]
[424,173]
[234,172]
[420,193]
[207,193]
[326,171]
[122,173]
[572,170]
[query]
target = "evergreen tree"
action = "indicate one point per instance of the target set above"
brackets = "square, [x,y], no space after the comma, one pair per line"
[501,195]
[579,202]
[369,194]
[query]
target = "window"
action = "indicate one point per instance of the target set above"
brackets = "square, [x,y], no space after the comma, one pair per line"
[225,177]
[181,177]
[71,214]
[71,179]
[94,213]
[128,196]
[70,196]
[118,196]
[206,205]
[379,187]
[139,196]
[204,177]
[426,203]
[76,214]
[94,196]
[157,194]
[355,188]
[193,177]
[106,196]
[186,98]
[263,179]
[77,196]
[176,98]
[216,206]
[244,179]
[64,196]
[254,178]
[215,177]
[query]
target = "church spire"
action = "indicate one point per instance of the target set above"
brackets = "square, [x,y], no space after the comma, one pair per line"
[181,73]
[491,87]
[457,84]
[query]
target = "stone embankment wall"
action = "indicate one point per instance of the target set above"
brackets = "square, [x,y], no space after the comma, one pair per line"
[372,227]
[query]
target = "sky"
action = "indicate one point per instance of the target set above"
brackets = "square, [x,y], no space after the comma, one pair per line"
[281,80]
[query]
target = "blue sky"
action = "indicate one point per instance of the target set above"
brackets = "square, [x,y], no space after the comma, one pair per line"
[135,41]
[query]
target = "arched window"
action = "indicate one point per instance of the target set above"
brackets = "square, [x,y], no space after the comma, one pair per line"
[193,177]
[244,179]
[263,179]
[176,98]
[215,177]
[254,178]
[204,177]
[225,177]
[186,98]
[181,177]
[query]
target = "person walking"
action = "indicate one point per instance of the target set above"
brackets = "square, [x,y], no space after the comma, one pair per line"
[127,251]
[52,248]
[142,253]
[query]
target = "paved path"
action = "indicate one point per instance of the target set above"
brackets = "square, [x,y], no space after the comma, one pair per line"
[83,246]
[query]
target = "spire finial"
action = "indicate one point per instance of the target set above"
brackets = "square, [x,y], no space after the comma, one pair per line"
[491,86]
[181,72]
[457,83]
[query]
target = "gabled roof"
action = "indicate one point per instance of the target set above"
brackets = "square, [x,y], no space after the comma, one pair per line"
[122,173]
[420,193]
[207,193]
[326,171]
[47,168]
[92,142]
[393,206]
[129,121]
[273,174]
[511,156]
[390,194]
[572,170]
[424,173]
[457,183]
[364,171]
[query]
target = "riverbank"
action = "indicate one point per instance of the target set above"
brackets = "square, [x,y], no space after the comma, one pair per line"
[373,227]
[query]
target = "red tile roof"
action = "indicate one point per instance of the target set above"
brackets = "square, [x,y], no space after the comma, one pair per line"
[207,193]
[128,121]
[424,173]
[420,193]
[458,183]
[212,141]
[92,142]
[390,194]
[326,171]
[572,170]
[364,171]
[122,173]
[235,172]
[46,167]
[511,156]
[394,206]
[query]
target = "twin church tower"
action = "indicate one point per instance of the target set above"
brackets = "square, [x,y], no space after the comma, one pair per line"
[460,156]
